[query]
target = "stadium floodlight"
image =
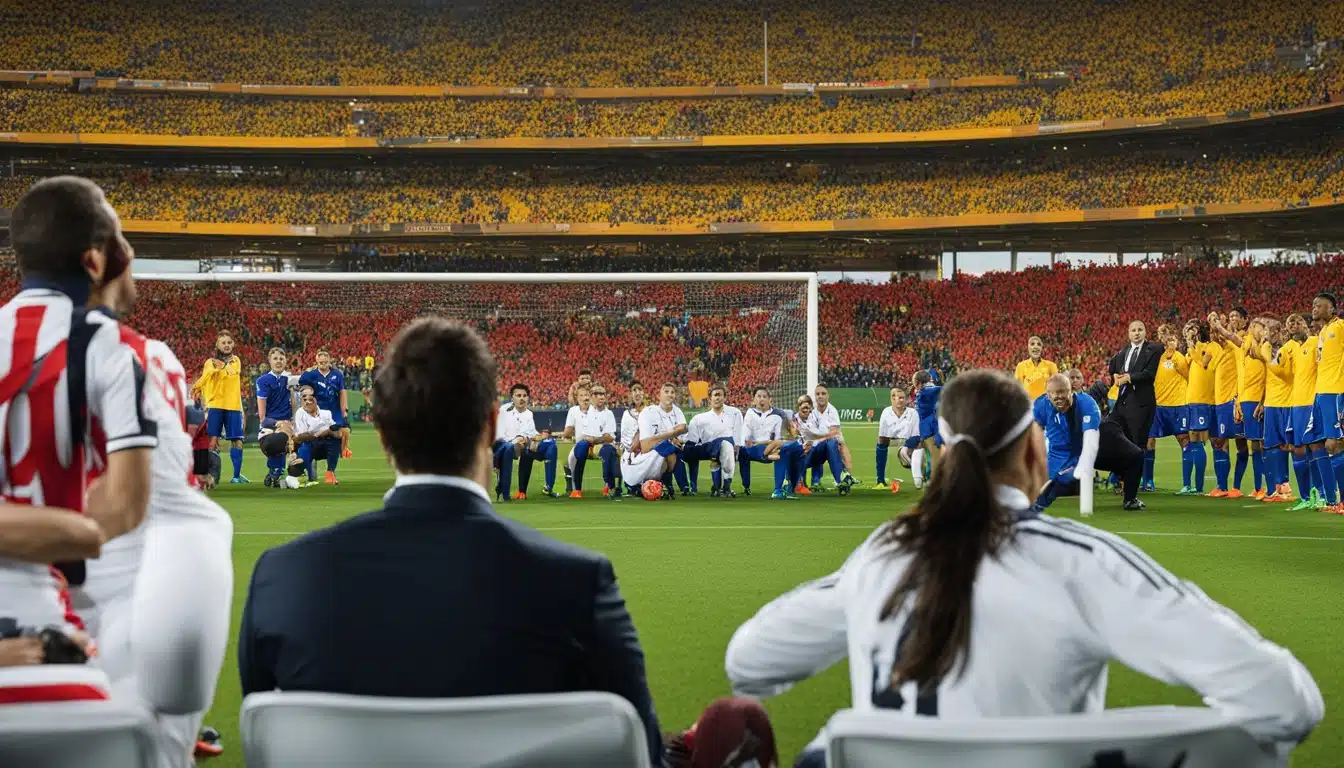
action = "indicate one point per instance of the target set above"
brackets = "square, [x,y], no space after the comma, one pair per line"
[766,321]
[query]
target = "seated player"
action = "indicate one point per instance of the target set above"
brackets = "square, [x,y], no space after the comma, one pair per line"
[765,432]
[595,437]
[712,436]
[516,436]
[830,418]
[635,402]
[277,445]
[661,428]
[316,437]
[582,398]
[819,447]
[900,423]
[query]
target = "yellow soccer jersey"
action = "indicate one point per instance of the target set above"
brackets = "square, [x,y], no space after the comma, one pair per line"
[1330,359]
[1170,384]
[221,386]
[1304,371]
[1252,374]
[1226,372]
[1032,376]
[1200,389]
[1279,378]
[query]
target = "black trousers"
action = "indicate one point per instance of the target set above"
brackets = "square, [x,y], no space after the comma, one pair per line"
[1135,420]
[1115,453]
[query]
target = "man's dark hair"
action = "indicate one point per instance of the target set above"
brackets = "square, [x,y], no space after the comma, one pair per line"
[585,373]
[759,390]
[55,222]
[434,397]
[517,387]
[1330,297]
[634,384]
[1245,313]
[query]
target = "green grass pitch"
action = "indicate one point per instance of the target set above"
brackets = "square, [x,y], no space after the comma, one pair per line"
[694,569]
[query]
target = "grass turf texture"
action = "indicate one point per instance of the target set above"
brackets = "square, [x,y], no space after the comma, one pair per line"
[692,570]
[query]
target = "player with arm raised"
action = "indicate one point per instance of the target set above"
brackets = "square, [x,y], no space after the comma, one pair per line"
[943,612]
[1306,429]
[1329,455]
[899,422]
[661,428]
[220,385]
[1227,332]
[1278,411]
[275,406]
[830,417]
[1170,387]
[1203,358]
[716,431]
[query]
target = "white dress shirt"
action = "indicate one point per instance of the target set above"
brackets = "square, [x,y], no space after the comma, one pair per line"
[513,424]
[306,423]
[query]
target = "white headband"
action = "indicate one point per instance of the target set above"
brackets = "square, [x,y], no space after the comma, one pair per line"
[952,438]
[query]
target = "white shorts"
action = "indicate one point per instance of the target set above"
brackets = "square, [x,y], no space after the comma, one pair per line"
[638,467]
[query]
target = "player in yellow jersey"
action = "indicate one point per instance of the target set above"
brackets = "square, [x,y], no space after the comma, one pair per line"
[1305,427]
[1203,357]
[1032,372]
[1329,390]
[1225,332]
[220,386]
[1170,419]
[1278,363]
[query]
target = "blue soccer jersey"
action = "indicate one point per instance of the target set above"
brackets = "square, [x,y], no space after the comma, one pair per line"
[1064,430]
[326,387]
[926,401]
[274,387]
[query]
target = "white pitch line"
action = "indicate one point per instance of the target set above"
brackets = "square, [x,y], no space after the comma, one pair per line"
[1169,534]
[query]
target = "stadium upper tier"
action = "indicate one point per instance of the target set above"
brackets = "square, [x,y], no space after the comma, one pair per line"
[1038,179]
[1139,46]
[870,335]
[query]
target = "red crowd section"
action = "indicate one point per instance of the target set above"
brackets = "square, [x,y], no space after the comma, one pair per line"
[870,335]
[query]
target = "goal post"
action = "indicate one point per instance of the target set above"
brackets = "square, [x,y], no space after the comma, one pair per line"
[741,329]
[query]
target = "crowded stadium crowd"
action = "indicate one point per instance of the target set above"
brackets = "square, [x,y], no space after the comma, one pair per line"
[1038,179]
[626,257]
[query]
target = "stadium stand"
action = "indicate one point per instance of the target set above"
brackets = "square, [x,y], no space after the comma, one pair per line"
[871,335]
[1038,179]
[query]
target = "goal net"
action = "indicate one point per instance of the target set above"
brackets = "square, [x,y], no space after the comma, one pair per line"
[742,330]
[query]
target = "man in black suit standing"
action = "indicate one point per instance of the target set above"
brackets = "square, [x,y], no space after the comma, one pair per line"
[1133,370]
[435,595]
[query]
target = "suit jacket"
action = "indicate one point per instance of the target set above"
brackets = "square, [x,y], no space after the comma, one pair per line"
[1142,374]
[436,596]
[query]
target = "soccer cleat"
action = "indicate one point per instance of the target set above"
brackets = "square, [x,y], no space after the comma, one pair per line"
[1187,491]
[878,487]
[714,494]
[1319,504]
[1135,506]
[746,491]
[1234,493]
[576,494]
[549,493]
[269,482]
[347,454]
[1218,493]
[1302,505]
[208,744]
[500,498]
[1148,487]
[727,494]
[1286,491]
[519,496]
[330,478]
[802,490]
[239,480]
[606,491]
[780,493]
[1259,495]
[849,479]
[895,486]
[817,488]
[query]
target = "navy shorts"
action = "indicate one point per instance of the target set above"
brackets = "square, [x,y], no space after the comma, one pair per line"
[754,453]
[225,424]
[1278,426]
[1226,424]
[1327,417]
[1169,420]
[1199,417]
[1251,427]
[1306,430]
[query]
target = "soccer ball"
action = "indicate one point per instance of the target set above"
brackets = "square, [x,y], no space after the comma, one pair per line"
[291,482]
[651,490]
[903,456]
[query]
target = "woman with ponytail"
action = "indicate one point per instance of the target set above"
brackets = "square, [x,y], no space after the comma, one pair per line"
[973,606]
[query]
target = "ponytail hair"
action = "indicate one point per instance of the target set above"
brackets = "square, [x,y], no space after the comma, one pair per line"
[983,414]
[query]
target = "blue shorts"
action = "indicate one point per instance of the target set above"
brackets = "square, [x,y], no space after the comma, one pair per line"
[928,428]
[754,453]
[1251,427]
[1169,420]
[225,424]
[1199,417]
[912,442]
[1225,420]
[1327,417]
[338,418]
[1054,462]
[1306,430]
[1278,427]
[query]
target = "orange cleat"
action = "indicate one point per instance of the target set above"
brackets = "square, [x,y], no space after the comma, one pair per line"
[347,454]
[802,490]
[519,496]
[1259,495]
[576,494]
[895,486]
[606,491]
[330,479]
[1286,492]
[1235,493]
[1217,493]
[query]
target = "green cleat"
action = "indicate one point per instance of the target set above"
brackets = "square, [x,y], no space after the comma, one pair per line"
[879,487]
[1188,491]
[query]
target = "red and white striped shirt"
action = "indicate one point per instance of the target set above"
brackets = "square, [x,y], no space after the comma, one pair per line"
[62,369]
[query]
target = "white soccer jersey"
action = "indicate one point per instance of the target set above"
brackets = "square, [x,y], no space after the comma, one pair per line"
[760,427]
[710,426]
[572,418]
[44,458]
[306,423]
[596,423]
[899,427]
[629,428]
[829,416]
[653,420]
[513,424]
[812,429]
[1060,601]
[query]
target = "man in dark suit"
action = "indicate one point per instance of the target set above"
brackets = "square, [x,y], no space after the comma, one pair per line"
[435,595]
[1133,370]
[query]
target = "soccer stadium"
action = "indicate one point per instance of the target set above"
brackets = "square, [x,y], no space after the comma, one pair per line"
[509,383]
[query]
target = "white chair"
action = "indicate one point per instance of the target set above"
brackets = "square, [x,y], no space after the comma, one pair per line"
[1147,737]
[77,734]
[282,730]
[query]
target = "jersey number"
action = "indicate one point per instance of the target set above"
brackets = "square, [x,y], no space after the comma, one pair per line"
[887,696]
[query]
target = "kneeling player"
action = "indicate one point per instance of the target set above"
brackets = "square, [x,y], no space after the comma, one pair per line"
[899,422]
[712,436]
[830,418]
[657,464]
[764,433]
[819,447]
[516,436]
[316,437]
[665,422]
